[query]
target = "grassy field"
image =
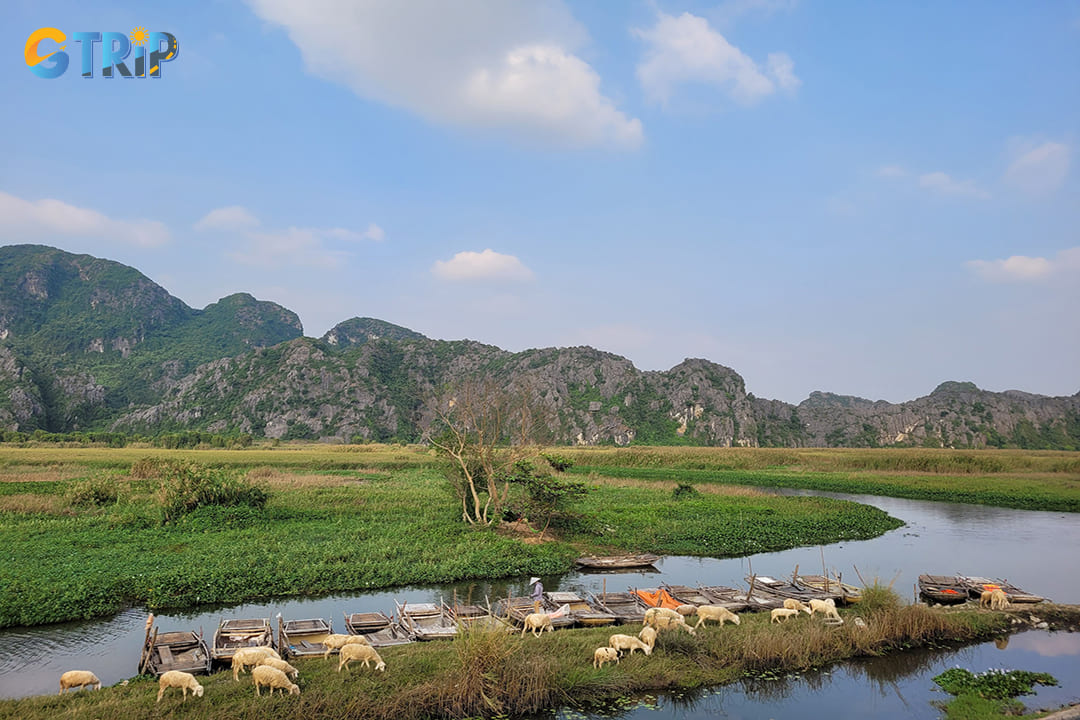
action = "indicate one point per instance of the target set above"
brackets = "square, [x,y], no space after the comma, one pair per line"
[1033,480]
[488,674]
[81,536]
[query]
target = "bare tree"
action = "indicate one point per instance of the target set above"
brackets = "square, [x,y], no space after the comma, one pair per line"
[483,428]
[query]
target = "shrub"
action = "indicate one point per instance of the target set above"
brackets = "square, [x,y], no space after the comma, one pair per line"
[683,491]
[186,487]
[558,463]
[94,492]
[877,598]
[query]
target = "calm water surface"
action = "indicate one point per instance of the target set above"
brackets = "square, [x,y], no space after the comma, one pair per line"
[1034,550]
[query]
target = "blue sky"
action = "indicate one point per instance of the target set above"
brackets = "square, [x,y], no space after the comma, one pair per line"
[863,198]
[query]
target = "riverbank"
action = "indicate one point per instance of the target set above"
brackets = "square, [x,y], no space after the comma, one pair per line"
[82,536]
[495,674]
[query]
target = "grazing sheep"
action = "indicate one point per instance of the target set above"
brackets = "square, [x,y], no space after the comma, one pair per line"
[666,622]
[995,599]
[686,610]
[184,681]
[604,654]
[628,643]
[715,612]
[246,656]
[537,622]
[648,636]
[78,679]
[656,612]
[366,653]
[826,607]
[782,614]
[274,679]
[280,665]
[338,641]
[793,604]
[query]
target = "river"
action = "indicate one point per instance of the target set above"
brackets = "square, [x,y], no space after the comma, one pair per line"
[1034,550]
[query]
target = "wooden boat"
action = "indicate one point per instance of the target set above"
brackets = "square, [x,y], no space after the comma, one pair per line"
[583,613]
[731,598]
[849,593]
[182,650]
[234,634]
[515,609]
[627,607]
[379,629]
[609,562]
[976,585]
[656,597]
[300,638]
[768,586]
[427,621]
[688,595]
[944,589]
[476,617]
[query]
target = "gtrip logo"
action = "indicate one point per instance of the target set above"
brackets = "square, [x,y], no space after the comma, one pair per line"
[161,47]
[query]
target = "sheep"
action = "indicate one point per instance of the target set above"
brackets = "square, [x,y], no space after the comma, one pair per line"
[827,607]
[995,599]
[793,604]
[78,679]
[273,679]
[360,652]
[667,622]
[184,681]
[648,636]
[604,654]
[782,613]
[250,656]
[686,610]
[280,665]
[715,612]
[629,643]
[338,641]
[655,612]
[537,622]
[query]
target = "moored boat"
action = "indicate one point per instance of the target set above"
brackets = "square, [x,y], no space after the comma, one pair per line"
[688,595]
[583,613]
[379,629]
[627,607]
[731,598]
[515,609]
[944,589]
[976,585]
[303,637]
[610,562]
[181,650]
[656,597]
[822,583]
[427,621]
[769,586]
[232,635]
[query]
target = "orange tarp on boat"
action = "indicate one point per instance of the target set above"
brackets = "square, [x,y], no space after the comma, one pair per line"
[658,598]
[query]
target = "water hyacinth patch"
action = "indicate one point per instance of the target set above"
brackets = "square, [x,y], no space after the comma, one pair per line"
[994,684]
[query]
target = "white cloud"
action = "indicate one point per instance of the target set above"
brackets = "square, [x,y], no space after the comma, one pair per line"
[507,65]
[1020,268]
[943,184]
[232,217]
[25,219]
[686,49]
[486,265]
[891,171]
[1039,169]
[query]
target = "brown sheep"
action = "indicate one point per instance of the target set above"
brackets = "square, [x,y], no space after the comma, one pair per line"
[78,679]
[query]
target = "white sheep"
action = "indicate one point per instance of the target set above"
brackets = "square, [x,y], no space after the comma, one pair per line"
[280,665]
[246,656]
[667,622]
[826,607]
[995,599]
[537,622]
[656,612]
[793,604]
[177,679]
[716,612]
[338,641]
[274,679]
[629,643]
[78,679]
[366,653]
[686,610]
[604,654]
[779,614]
[648,636]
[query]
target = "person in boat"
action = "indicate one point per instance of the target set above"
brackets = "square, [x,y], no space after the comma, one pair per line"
[537,592]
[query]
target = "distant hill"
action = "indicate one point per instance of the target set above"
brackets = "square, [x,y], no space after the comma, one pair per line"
[90,344]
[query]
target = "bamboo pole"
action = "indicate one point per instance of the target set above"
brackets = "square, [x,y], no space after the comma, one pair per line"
[824,572]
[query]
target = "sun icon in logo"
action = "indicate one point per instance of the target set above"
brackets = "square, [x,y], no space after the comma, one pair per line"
[139,36]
